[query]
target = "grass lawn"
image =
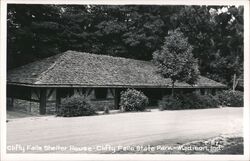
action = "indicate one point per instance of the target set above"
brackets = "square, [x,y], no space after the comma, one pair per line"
[155,128]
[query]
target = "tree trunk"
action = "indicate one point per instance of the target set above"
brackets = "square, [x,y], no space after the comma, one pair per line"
[172,89]
[234,82]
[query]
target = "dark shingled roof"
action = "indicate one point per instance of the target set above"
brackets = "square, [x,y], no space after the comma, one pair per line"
[78,69]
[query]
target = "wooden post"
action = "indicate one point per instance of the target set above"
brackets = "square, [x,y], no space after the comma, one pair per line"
[117,98]
[58,99]
[43,99]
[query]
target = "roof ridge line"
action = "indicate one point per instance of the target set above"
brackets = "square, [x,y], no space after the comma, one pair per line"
[113,57]
[51,67]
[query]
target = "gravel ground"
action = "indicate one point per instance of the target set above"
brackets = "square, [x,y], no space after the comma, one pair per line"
[101,134]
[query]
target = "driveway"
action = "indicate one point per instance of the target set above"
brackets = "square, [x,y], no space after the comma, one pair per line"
[142,128]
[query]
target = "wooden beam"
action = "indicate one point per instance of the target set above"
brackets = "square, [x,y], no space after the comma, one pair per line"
[89,91]
[37,93]
[51,90]
[43,99]
[111,91]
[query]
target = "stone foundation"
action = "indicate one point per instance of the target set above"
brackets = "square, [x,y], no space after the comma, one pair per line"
[33,107]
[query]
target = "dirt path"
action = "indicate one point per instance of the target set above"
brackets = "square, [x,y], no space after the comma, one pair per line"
[124,129]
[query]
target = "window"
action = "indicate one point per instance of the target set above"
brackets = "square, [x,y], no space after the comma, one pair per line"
[101,93]
[213,92]
[202,91]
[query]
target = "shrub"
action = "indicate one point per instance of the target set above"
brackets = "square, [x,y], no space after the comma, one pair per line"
[133,100]
[188,101]
[231,98]
[170,103]
[75,105]
[198,101]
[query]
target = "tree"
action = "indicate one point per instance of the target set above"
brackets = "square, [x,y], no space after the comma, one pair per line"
[175,59]
[32,33]
[216,34]
[228,44]
[132,31]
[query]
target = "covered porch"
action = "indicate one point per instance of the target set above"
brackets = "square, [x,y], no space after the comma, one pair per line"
[53,95]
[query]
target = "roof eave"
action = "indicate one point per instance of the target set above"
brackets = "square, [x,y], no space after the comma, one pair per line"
[107,86]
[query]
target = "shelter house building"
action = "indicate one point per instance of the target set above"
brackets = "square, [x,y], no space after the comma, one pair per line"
[100,77]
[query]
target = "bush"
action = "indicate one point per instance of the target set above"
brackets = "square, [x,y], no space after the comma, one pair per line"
[198,101]
[133,100]
[231,98]
[75,106]
[170,103]
[188,101]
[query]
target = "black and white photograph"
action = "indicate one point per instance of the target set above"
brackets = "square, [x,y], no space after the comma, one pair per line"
[125,79]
